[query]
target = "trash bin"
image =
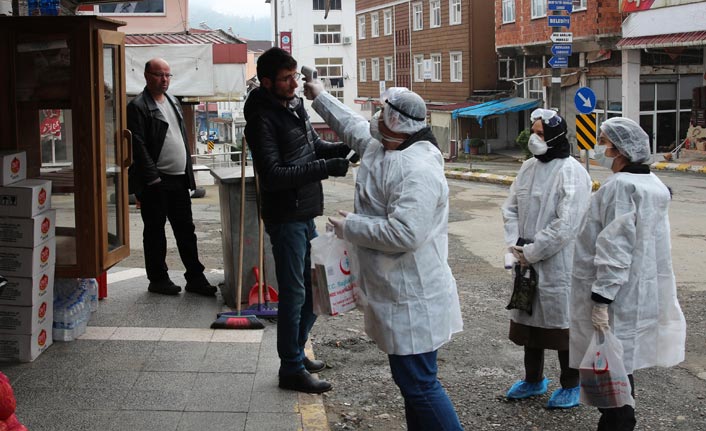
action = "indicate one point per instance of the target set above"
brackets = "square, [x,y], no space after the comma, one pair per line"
[228,181]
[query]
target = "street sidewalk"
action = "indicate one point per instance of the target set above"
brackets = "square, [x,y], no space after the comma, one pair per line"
[150,362]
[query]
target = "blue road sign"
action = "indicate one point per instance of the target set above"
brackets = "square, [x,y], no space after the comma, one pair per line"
[561,49]
[557,62]
[559,21]
[585,100]
[560,5]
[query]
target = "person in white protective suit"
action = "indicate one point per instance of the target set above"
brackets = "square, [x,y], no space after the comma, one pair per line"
[542,215]
[623,279]
[399,228]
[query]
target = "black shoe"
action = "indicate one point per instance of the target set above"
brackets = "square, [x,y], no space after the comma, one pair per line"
[201,287]
[304,382]
[313,366]
[164,287]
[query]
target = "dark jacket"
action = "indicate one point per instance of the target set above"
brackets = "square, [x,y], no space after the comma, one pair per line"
[289,157]
[149,128]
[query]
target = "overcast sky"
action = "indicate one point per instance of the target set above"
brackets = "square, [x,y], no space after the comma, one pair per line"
[245,8]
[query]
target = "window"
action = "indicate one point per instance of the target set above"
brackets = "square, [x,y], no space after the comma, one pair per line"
[455,12]
[330,68]
[508,11]
[419,68]
[362,70]
[321,5]
[337,93]
[388,69]
[536,89]
[436,67]
[456,66]
[539,8]
[375,68]
[506,68]
[434,13]
[327,34]
[580,5]
[387,22]
[374,25]
[361,27]
[418,14]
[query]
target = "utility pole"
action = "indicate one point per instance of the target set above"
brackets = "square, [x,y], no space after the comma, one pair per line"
[560,50]
[555,101]
[274,2]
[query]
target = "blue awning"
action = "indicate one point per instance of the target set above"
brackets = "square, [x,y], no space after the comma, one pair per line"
[495,107]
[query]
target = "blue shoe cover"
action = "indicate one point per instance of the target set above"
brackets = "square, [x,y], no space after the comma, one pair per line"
[564,398]
[522,389]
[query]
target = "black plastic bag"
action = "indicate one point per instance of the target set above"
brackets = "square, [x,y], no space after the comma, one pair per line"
[524,289]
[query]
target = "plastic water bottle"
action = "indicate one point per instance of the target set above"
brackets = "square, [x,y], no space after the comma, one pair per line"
[93,294]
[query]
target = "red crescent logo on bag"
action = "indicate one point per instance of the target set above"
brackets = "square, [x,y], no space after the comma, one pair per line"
[42,197]
[44,256]
[600,361]
[344,265]
[42,310]
[43,283]
[42,338]
[15,165]
[46,224]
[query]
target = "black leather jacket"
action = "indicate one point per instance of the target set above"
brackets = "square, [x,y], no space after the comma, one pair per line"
[289,157]
[149,128]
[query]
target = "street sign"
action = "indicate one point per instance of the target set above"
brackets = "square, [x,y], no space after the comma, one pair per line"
[586,131]
[585,100]
[562,49]
[562,37]
[558,62]
[559,21]
[560,5]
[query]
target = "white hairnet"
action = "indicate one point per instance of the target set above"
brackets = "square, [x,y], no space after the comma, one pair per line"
[404,110]
[628,137]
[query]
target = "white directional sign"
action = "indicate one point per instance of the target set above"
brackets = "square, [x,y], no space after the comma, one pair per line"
[562,37]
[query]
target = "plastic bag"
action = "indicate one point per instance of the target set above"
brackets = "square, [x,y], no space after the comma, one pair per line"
[604,381]
[524,289]
[335,282]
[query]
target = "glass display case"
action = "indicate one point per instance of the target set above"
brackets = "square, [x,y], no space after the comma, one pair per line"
[62,101]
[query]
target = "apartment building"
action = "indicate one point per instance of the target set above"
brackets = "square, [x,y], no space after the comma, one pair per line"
[650,81]
[441,49]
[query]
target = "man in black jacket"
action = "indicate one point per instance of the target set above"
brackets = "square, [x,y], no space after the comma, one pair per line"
[291,160]
[160,177]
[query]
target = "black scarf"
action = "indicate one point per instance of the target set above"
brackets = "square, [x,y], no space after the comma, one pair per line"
[556,137]
[636,168]
[424,134]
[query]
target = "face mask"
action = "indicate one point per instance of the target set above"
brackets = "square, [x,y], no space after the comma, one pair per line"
[374,129]
[536,145]
[601,158]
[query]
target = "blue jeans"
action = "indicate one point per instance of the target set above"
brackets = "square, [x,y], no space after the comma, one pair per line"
[426,405]
[291,249]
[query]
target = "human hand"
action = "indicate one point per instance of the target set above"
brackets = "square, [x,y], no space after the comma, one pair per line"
[519,252]
[337,224]
[337,167]
[312,89]
[599,317]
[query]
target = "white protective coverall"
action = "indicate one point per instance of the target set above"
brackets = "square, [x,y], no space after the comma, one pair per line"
[546,205]
[400,230]
[623,253]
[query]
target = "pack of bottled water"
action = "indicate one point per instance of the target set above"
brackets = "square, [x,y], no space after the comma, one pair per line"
[74,300]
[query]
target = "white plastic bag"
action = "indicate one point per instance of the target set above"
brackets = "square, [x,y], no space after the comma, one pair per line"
[604,382]
[335,283]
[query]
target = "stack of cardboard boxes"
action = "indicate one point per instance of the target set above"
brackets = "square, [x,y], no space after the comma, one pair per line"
[27,258]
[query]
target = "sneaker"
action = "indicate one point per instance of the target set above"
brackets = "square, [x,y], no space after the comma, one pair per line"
[304,382]
[164,287]
[564,398]
[521,389]
[201,287]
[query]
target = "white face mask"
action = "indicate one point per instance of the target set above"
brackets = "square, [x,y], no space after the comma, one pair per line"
[536,145]
[601,158]
[374,127]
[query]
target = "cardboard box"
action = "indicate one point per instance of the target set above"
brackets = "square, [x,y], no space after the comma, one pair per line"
[27,232]
[26,291]
[13,166]
[25,198]
[27,262]
[26,320]
[26,347]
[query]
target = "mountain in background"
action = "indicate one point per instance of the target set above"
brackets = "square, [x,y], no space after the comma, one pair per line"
[248,28]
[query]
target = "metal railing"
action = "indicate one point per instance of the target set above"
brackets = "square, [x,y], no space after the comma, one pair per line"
[224,159]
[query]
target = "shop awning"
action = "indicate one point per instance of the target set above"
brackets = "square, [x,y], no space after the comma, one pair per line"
[495,107]
[694,38]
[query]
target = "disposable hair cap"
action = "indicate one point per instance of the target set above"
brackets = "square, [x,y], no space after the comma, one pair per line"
[548,117]
[404,110]
[628,137]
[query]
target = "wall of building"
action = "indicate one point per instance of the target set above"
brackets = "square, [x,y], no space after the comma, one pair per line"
[175,17]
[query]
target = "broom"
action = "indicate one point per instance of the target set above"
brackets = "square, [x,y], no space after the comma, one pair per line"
[238,320]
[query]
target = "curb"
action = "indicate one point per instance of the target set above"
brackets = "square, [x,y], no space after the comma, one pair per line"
[480,177]
[679,167]
[311,407]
